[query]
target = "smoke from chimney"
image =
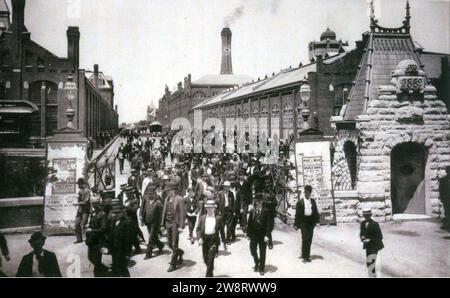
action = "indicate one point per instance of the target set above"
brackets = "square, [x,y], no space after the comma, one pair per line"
[239,11]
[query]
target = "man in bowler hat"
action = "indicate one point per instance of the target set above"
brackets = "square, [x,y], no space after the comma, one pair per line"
[39,262]
[306,218]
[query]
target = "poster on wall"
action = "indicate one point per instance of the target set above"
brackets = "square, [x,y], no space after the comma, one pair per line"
[61,192]
[313,167]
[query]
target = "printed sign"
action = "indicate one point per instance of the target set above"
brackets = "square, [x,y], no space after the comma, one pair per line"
[313,167]
[66,170]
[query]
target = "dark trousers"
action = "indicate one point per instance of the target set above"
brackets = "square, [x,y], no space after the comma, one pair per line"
[271,225]
[153,239]
[95,257]
[121,162]
[80,225]
[135,233]
[119,265]
[243,218]
[209,253]
[172,241]
[371,260]
[255,242]
[191,220]
[307,236]
[231,221]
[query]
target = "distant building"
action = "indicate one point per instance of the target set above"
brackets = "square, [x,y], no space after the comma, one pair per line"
[327,46]
[178,102]
[32,98]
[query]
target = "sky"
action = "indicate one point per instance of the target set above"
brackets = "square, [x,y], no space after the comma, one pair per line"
[146,44]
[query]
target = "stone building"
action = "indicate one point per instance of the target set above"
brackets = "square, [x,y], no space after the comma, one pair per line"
[32,99]
[178,102]
[330,79]
[393,136]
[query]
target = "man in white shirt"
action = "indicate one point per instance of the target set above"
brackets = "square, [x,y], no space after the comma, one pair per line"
[306,218]
[208,230]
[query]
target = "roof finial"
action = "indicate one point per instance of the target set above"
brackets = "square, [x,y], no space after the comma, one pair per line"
[407,17]
[372,16]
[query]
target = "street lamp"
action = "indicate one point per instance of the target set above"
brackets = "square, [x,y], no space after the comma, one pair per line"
[305,95]
[70,89]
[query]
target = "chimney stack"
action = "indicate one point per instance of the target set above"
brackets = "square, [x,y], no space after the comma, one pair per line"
[227,67]
[96,75]
[73,46]
[18,16]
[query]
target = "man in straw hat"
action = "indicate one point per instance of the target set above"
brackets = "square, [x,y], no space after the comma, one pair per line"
[84,209]
[226,206]
[372,238]
[173,220]
[39,262]
[208,230]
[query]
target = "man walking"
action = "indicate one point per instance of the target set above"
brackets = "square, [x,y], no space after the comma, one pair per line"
[173,220]
[96,237]
[257,231]
[306,218]
[372,239]
[39,262]
[227,210]
[151,213]
[84,209]
[121,157]
[192,210]
[3,251]
[208,231]
[119,242]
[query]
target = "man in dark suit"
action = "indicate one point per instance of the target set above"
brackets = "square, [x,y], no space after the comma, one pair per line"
[192,209]
[173,220]
[243,200]
[444,193]
[226,206]
[84,209]
[151,213]
[3,251]
[208,230]
[372,238]
[40,262]
[258,232]
[306,218]
[120,242]
[132,205]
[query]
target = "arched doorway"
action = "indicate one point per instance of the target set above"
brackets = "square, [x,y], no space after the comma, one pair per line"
[408,161]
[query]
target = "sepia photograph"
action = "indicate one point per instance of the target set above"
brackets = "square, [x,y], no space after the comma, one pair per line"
[242,140]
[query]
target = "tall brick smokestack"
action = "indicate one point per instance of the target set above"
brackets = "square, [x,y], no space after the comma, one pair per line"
[227,66]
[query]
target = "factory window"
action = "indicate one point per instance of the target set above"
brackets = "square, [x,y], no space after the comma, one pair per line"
[2,90]
[4,58]
[199,94]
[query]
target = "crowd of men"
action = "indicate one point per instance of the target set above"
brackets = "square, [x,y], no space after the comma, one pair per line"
[211,194]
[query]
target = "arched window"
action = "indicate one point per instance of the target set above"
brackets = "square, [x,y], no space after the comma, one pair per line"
[199,94]
[351,158]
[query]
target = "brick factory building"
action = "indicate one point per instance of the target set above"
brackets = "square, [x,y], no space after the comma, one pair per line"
[32,99]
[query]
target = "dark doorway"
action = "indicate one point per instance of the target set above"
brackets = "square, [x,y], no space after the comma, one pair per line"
[408,162]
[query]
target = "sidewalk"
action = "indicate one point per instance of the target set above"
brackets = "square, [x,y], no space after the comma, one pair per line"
[412,248]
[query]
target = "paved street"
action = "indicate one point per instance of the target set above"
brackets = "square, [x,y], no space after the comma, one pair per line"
[411,249]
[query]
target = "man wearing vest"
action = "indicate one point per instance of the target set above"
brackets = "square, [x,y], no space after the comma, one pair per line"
[173,220]
[306,218]
[208,230]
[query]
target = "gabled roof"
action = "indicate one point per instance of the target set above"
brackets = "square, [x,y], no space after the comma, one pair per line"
[385,48]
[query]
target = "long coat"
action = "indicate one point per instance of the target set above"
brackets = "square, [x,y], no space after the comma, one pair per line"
[151,210]
[49,263]
[370,229]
